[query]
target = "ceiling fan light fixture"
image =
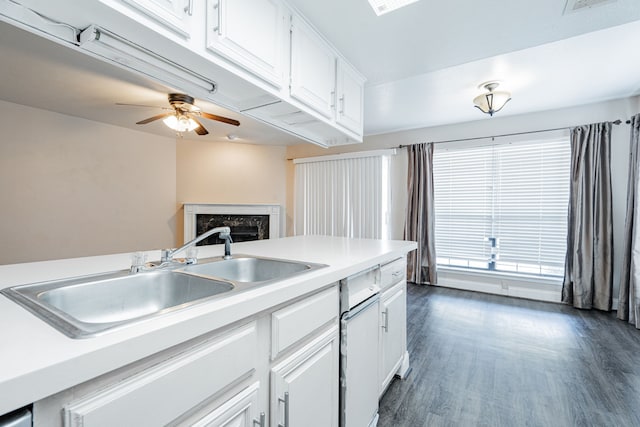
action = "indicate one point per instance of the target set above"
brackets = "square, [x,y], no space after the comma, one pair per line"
[180,123]
[184,117]
[492,101]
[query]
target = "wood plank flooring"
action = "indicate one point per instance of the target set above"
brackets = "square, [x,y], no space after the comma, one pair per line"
[487,360]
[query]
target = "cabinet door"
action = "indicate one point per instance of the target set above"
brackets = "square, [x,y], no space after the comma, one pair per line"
[173,14]
[393,323]
[239,411]
[172,388]
[305,386]
[250,33]
[350,98]
[313,69]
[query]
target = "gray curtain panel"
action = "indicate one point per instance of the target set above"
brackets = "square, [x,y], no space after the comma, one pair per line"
[420,222]
[588,277]
[629,296]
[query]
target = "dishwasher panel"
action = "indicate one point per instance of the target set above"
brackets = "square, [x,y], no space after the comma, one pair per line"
[359,365]
[358,288]
[20,418]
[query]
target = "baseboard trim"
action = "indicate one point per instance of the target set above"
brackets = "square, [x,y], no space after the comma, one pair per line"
[526,288]
[508,287]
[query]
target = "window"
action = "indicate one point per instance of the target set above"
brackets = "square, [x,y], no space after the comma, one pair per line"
[343,195]
[502,207]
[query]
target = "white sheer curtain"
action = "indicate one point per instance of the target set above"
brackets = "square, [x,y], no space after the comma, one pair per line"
[346,197]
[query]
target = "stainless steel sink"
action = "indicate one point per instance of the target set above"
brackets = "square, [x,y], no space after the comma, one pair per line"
[87,306]
[244,269]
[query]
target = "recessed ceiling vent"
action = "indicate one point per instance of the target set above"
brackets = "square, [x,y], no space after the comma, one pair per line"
[578,5]
[380,7]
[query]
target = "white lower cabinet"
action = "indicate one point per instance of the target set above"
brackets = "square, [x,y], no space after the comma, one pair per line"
[241,410]
[305,385]
[291,324]
[278,368]
[393,310]
[394,359]
[165,392]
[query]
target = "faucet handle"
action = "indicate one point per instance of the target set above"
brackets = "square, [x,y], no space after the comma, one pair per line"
[138,260]
[166,255]
[191,255]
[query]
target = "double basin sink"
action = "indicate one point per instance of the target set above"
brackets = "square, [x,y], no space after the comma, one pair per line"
[88,306]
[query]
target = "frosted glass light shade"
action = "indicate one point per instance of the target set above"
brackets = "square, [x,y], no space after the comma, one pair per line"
[380,7]
[492,101]
[180,124]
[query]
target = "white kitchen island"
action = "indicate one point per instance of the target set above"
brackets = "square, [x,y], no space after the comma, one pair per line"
[39,364]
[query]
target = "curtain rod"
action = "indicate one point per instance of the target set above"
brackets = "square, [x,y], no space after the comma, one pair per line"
[615,122]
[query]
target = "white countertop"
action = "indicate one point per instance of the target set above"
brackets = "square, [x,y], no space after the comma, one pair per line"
[36,360]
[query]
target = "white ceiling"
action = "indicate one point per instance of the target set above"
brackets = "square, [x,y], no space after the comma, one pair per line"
[424,62]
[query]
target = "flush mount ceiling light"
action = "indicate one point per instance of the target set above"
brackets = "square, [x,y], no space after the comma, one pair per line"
[380,7]
[579,5]
[492,101]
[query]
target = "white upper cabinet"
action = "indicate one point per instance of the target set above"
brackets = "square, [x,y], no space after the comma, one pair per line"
[313,69]
[174,14]
[350,97]
[250,33]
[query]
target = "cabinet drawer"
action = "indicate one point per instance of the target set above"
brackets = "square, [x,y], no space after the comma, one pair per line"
[393,272]
[160,394]
[293,323]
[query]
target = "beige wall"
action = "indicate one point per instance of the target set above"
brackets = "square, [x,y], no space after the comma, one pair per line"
[604,111]
[231,173]
[72,187]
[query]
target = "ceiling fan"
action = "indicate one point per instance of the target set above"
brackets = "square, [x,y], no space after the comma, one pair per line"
[184,115]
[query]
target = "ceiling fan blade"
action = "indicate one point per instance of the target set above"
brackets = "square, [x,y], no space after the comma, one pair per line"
[200,130]
[220,118]
[144,106]
[154,118]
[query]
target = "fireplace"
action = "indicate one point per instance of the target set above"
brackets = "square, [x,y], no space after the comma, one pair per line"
[243,227]
[247,222]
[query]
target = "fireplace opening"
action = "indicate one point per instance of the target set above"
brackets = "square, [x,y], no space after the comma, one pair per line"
[243,227]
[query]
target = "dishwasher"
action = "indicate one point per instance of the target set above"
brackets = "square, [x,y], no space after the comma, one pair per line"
[359,355]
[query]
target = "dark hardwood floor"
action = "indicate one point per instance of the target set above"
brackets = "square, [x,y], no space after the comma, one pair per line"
[487,360]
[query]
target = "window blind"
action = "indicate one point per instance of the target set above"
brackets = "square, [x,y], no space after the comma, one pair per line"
[343,197]
[503,207]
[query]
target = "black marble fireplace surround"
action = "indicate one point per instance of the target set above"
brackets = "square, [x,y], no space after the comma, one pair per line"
[243,227]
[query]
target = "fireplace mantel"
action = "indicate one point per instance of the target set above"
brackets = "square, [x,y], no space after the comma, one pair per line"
[193,209]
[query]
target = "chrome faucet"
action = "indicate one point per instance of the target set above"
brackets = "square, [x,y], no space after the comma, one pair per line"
[225,233]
